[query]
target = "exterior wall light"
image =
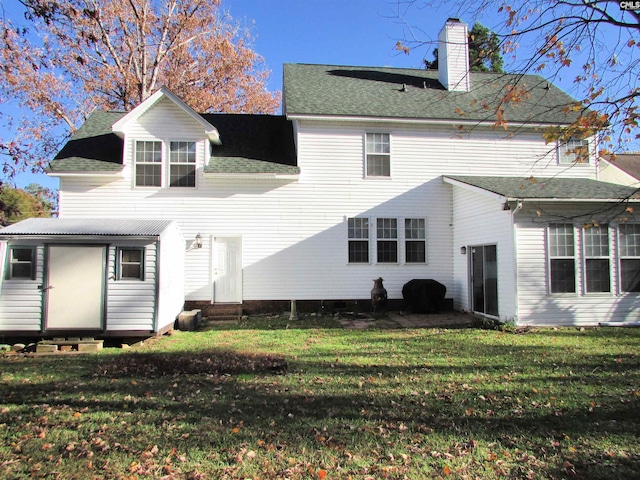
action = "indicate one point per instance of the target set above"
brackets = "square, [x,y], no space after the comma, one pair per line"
[198,241]
[463,250]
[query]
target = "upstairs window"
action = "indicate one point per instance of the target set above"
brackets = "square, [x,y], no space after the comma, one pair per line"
[596,259]
[22,262]
[629,247]
[415,240]
[387,240]
[562,262]
[148,164]
[130,264]
[378,155]
[358,234]
[153,162]
[182,164]
[573,151]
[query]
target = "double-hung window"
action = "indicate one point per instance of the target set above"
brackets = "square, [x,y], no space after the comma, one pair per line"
[387,236]
[130,264]
[415,240]
[153,162]
[358,235]
[378,155]
[562,262]
[596,259]
[148,163]
[182,164]
[22,262]
[629,251]
[573,151]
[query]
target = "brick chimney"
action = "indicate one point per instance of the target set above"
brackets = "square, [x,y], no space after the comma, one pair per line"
[453,56]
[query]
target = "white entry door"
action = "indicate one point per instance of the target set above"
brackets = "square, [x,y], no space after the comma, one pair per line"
[227,270]
[75,287]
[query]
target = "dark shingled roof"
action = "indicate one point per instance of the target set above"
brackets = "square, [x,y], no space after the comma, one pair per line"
[261,144]
[543,188]
[378,92]
[93,148]
[258,144]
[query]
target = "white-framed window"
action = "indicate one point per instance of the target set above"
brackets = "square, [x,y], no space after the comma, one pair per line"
[596,259]
[182,164]
[629,257]
[387,240]
[148,158]
[378,155]
[573,151]
[130,263]
[155,159]
[358,239]
[22,263]
[415,240]
[562,261]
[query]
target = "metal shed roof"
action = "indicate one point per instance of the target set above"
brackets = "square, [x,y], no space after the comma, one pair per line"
[89,226]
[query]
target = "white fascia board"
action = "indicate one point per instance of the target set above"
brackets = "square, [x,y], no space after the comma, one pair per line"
[86,174]
[419,121]
[119,127]
[259,176]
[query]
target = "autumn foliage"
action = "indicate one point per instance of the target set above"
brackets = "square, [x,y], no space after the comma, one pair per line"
[69,57]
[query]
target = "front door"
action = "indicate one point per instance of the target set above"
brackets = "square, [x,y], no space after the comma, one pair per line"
[75,287]
[484,279]
[227,270]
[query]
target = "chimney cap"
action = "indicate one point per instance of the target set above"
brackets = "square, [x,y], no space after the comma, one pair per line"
[454,20]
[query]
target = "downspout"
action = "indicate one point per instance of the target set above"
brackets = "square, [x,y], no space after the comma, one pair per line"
[519,205]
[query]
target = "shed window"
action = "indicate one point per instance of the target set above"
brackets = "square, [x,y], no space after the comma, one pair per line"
[130,264]
[22,262]
[629,237]
[562,264]
[378,155]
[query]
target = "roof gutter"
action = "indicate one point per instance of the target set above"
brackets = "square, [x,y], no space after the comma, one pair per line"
[422,121]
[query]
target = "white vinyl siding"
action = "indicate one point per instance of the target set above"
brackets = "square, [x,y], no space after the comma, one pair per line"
[287,224]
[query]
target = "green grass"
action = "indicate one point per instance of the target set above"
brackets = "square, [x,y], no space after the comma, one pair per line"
[422,403]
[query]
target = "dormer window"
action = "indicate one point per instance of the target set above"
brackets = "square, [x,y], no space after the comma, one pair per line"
[573,151]
[182,164]
[151,164]
[378,155]
[148,164]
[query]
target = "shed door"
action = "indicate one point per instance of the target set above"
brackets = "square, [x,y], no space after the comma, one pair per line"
[75,287]
[227,270]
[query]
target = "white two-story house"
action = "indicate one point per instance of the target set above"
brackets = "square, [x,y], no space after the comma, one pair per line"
[370,172]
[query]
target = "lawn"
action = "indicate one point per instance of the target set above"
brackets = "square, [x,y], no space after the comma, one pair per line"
[264,400]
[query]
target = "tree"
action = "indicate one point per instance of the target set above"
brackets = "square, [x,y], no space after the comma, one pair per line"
[593,42]
[17,204]
[74,56]
[484,51]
